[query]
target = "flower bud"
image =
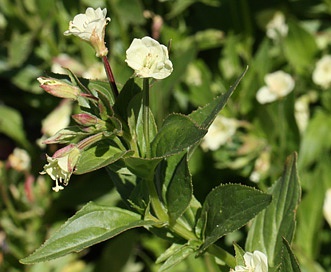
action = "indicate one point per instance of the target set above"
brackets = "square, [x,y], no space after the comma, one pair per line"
[85,119]
[59,88]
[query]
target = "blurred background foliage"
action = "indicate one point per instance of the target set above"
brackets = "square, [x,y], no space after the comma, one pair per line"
[211,43]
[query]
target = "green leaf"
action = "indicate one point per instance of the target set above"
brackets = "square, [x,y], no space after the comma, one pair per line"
[315,140]
[19,48]
[289,263]
[11,124]
[142,167]
[90,225]
[239,255]
[129,90]
[177,133]
[99,155]
[132,189]
[299,47]
[229,207]
[278,220]
[204,116]
[136,124]
[104,93]
[174,180]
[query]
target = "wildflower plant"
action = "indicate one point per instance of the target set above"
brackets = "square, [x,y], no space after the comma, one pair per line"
[115,129]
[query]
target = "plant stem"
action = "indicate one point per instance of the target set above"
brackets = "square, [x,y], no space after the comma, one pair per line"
[110,76]
[158,208]
[222,255]
[146,116]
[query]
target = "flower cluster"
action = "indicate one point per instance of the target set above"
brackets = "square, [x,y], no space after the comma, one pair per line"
[146,56]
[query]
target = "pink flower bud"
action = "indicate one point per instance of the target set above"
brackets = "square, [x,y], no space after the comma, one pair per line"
[85,119]
[59,88]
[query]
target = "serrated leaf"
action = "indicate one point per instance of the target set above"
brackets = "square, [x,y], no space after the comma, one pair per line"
[204,116]
[142,167]
[278,220]
[288,261]
[229,207]
[177,133]
[90,225]
[99,155]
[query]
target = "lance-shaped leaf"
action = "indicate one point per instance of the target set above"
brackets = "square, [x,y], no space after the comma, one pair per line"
[227,208]
[288,262]
[278,220]
[204,116]
[90,225]
[177,133]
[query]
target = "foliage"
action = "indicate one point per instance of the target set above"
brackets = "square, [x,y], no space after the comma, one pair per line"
[148,192]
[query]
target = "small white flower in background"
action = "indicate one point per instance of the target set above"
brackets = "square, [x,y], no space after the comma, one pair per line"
[63,61]
[19,160]
[327,206]
[149,59]
[61,165]
[278,85]
[301,112]
[58,119]
[254,262]
[95,71]
[90,27]
[322,72]
[277,27]
[220,131]
[261,167]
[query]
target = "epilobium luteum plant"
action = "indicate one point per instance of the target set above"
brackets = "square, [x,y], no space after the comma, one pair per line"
[148,165]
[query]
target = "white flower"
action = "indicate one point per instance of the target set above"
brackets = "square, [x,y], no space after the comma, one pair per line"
[327,206]
[261,167]
[278,85]
[322,72]
[277,27]
[301,112]
[61,165]
[220,131]
[254,262]
[20,160]
[149,58]
[91,28]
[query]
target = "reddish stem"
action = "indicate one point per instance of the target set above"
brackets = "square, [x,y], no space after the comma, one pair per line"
[110,76]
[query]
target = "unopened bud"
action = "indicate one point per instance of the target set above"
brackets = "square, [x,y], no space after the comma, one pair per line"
[85,119]
[59,88]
